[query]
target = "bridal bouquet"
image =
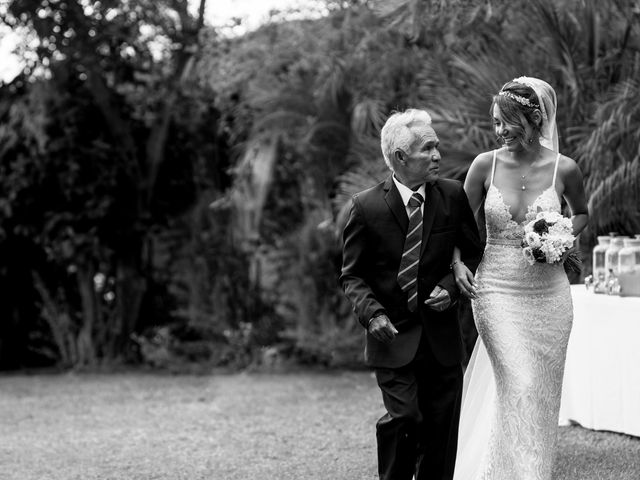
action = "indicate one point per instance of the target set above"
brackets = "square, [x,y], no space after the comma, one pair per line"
[548,239]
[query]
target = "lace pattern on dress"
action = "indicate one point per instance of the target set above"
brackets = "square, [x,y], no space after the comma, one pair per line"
[500,223]
[523,314]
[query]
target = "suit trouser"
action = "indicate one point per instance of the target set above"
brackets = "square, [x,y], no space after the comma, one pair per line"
[419,433]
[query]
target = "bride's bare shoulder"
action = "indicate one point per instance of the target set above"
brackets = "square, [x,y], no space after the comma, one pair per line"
[481,165]
[567,164]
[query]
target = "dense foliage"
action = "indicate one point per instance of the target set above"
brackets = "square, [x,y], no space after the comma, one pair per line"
[169,194]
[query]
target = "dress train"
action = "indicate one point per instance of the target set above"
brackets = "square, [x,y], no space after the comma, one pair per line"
[478,402]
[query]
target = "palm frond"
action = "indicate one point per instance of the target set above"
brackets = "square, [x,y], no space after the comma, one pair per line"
[364,152]
[390,8]
[367,117]
[464,129]
[400,14]
[281,120]
[268,98]
[333,85]
[613,137]
[615,204]
[455,161]
[559,27]
[357,179]
[360,178]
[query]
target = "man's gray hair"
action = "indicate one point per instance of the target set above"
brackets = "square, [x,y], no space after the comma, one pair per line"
[399,133]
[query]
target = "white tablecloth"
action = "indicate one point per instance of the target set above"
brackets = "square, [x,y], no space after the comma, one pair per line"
[601,387]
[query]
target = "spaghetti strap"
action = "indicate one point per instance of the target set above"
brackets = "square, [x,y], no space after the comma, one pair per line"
[493,167]
[555,170]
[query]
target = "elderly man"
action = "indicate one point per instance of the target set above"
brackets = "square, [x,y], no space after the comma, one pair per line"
[397,248]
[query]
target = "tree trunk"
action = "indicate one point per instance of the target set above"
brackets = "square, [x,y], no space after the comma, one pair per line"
[131,287]
[90,317]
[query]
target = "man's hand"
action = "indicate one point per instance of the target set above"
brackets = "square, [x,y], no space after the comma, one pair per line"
[439,299]
[382,329]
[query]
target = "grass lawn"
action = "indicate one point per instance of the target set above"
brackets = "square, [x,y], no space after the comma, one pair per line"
[302,426]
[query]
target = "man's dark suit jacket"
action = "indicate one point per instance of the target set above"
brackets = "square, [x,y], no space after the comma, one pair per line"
[373,243]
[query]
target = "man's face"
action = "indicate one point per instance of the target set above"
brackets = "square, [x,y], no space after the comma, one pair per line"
[421,163]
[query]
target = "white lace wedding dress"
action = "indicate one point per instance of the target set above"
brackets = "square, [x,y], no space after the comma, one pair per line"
[523,313]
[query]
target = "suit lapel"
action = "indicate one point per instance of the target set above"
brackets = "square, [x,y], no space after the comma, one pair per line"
[431,205]
[396,205]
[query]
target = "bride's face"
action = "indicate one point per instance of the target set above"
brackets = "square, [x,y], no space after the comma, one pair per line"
[515,137]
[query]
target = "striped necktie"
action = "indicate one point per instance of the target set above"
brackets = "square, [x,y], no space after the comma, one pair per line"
[408,273]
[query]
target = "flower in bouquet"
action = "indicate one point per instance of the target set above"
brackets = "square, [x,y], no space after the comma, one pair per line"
[547,238]
[533,239]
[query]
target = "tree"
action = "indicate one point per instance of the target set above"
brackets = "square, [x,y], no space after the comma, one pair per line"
[143,118]
[449,58]
[107,84]
[587,50]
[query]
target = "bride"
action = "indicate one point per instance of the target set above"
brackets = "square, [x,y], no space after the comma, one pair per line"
[523,312]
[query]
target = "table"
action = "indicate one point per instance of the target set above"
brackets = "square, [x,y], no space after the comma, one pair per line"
[601,388]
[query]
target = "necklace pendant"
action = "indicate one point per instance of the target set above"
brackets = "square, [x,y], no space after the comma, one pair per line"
[523,187]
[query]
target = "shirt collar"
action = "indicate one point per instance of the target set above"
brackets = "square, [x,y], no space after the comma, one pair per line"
[406,192]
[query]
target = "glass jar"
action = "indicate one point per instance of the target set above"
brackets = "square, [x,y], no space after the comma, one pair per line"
[629,268]
[599,270]
[611,255]
[611,265]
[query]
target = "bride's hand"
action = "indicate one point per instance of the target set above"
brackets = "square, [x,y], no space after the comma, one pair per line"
[464,280]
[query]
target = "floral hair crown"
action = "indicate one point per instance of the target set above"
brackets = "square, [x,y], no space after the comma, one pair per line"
[521,100]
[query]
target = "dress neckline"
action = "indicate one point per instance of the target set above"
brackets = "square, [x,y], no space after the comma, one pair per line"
[529,207]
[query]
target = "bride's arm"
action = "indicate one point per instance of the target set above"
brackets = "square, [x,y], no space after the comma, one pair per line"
[475,190]
[462,275]
[574,194]
[474,184]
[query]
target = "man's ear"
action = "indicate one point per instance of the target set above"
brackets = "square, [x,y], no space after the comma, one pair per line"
[399,157]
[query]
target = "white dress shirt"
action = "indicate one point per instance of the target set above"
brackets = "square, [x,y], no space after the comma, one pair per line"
[406,193]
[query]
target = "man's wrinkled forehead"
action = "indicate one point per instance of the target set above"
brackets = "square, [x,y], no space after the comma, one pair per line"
[424,133]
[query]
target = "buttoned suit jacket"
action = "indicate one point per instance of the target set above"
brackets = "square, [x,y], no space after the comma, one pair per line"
[373,243]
